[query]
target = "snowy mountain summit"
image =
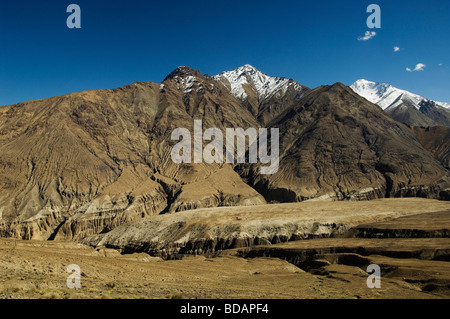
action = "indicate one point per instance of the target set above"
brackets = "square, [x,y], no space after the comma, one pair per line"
[388,97]
[246,78]
[403,106]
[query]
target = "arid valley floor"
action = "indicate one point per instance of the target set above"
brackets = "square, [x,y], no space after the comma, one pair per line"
[407,238]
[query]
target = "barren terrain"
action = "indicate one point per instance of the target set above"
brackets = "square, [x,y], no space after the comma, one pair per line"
[415,267]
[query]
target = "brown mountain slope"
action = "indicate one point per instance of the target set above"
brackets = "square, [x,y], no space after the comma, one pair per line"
[436,140]
[337,145]
[87,162]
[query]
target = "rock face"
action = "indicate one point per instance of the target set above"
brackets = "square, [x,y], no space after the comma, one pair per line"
[430,225]
[85,163]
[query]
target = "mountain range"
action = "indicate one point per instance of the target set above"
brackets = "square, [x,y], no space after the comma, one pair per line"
[85,163]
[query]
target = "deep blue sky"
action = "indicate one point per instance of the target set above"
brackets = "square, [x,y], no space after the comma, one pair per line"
[313,42]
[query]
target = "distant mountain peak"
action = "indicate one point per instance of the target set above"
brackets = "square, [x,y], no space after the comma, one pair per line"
[338,85]
[404,106]
[265,86]
[186,79]
[383,94]
[183,72]
[249,68]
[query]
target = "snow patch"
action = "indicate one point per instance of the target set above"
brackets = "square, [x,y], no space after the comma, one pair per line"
[186,83]
[444,105]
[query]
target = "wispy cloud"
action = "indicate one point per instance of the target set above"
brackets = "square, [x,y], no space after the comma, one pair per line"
[396,49]
[440,64]
[418,67]
[367,36]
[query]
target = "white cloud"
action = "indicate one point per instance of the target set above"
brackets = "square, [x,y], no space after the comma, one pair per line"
[440,64]
[396,49]
[367,36]
[418,67]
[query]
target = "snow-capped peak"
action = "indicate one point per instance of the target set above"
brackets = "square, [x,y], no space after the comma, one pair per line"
[386,96]
[264,85]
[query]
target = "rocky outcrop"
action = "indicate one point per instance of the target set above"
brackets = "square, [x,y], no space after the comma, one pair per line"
[209,231]
[431,225]
[222,188]
[40,227]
